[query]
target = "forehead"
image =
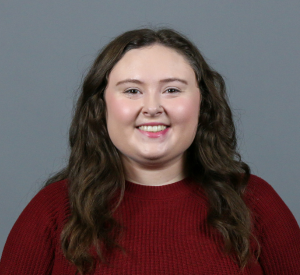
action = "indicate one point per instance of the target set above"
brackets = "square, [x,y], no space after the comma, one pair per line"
[152,62]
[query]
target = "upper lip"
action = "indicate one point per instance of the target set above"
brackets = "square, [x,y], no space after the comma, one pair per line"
[152,124]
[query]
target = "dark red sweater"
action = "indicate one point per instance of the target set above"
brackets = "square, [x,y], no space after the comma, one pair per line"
[165,232]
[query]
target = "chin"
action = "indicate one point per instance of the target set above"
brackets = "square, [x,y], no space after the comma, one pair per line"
[156,160]
[153,158]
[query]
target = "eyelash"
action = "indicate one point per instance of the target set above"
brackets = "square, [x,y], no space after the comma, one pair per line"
[174,90]
[129,91]
[136,91]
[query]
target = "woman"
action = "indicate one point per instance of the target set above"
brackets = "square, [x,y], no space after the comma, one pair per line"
[154,183]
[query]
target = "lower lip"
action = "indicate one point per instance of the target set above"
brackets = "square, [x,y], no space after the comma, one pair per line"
[154,134]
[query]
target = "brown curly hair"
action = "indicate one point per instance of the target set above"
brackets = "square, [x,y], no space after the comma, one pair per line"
[95,173]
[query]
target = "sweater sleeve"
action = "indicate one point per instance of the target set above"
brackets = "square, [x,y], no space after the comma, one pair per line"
[279,232]
[31,244]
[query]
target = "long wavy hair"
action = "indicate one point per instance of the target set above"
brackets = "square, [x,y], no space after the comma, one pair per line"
[95,172]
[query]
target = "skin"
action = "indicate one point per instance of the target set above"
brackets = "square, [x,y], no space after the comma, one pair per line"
[153,84]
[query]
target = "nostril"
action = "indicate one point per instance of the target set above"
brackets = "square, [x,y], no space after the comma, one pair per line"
[152,111]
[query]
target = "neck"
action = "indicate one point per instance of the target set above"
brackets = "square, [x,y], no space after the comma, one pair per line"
[154,174]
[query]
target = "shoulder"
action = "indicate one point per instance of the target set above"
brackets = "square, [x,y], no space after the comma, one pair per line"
[275,228]
[52,195]
[50,199]
[267,207]
[47,210]
[259,190]
[261,193]
[35,236]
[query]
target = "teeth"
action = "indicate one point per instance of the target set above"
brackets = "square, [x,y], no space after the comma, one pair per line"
[157,128]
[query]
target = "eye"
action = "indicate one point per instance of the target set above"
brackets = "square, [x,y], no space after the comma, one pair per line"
[132,91]
[172,91]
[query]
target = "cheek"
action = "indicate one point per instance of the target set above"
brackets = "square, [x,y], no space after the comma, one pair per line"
[118,112]
[187,111]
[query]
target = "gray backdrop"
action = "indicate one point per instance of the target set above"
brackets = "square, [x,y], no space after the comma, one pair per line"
[46,47]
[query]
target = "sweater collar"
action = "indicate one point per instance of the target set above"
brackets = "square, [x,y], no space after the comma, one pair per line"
[179,188]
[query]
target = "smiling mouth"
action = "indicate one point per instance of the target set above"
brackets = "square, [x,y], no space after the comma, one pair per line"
[154,129]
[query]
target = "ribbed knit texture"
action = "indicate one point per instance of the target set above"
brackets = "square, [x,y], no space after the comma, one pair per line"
[165,232]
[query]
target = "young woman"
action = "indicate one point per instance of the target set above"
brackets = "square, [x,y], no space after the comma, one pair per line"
[154,183]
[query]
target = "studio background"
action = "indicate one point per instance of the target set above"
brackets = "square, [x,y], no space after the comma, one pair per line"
[46,48]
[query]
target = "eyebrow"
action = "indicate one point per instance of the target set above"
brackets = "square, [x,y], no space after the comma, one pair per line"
[167,80]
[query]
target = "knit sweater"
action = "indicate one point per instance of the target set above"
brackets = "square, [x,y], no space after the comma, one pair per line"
[165,232]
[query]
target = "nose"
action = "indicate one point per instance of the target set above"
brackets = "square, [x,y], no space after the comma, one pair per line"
[152,105]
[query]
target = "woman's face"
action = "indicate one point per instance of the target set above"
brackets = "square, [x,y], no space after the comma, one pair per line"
[153,101]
